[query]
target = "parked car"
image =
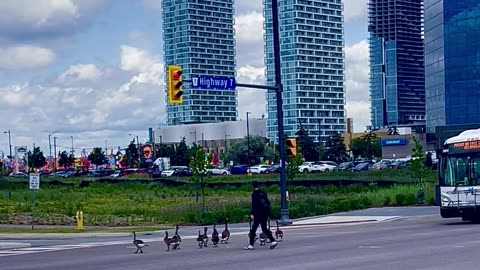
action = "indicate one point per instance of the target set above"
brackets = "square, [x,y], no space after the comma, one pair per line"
[275,168]
[18,174]
[239,169]
[218,171]
[182,172]
[326,166]
[309,167]
[345,166]
[365,166]
[259,169]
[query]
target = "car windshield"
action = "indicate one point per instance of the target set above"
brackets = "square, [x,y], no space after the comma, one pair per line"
[344,164]
[461,170]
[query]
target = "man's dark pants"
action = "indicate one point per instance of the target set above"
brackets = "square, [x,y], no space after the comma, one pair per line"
[263,223]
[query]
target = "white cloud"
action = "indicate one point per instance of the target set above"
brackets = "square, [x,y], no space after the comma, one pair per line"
[356,72]
[25,57]
[249,27]
[154,5]
[249,39]
[44,19]
[137,60]
[355,10]
[80,72]
[251,100]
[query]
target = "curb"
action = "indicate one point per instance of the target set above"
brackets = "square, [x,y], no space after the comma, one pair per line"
[331,223]
[13,245]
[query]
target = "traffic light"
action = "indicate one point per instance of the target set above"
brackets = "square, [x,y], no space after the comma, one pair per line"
[175,90]
[291,147]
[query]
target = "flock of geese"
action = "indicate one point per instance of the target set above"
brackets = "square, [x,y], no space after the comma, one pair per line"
[202,239]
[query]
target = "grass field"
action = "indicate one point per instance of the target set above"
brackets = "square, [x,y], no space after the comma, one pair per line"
[127,204]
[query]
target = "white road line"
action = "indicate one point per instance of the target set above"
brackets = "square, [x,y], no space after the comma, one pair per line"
[30,250]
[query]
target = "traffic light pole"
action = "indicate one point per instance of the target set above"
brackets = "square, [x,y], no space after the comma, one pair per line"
[278,88]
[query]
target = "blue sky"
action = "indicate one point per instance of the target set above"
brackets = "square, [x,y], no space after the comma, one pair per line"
[93,69]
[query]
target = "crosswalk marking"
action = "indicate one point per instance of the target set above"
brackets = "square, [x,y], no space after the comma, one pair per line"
[31,250]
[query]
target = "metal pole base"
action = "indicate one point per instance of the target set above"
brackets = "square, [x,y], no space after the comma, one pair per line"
[284,218]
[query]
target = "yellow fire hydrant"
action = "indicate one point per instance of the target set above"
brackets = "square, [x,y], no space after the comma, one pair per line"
[79,218]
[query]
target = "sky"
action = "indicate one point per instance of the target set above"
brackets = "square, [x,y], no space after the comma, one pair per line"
[93,70]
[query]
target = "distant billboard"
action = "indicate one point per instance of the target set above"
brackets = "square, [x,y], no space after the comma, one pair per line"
[393,142]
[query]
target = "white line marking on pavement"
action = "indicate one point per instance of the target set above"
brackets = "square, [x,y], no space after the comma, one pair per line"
[30,250]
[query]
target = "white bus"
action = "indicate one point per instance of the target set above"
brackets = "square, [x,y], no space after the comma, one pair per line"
[458,189]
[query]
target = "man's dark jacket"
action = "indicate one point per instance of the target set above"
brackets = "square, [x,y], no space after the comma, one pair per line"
[257,210]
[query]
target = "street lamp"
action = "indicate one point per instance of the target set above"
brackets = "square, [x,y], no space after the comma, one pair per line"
[248,143]
[194,137]
[50,144]
[225,151]
[55,151]
[9,142]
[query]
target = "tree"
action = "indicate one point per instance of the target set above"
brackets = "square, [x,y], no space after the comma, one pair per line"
[238,152]
[335,148]
[131,155]
[418,166]
[65,159]
[307,144]
[368,146]
[97,156]
[293,164]
[181,156]
[199,164]
[36,159]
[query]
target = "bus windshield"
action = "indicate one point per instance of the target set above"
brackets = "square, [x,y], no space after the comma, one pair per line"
[460,170]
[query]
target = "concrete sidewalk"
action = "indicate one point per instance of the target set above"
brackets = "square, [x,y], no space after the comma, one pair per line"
[319,220]
[13,245]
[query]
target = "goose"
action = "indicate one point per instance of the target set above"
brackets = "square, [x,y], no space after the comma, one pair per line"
[263,238]
[139,244]
[169,240]
[205,237]
[278,232]
[225,233]
[256,237]
[215,238]
[177,239]
[200,239]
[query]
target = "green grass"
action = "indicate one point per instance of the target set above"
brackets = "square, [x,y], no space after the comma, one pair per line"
[136,204]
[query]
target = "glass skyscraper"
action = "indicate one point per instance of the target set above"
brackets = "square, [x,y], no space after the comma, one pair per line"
[397,73]
[452,62]
[199,36]
[311,33]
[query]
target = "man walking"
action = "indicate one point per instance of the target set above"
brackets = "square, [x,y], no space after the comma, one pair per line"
[259,214]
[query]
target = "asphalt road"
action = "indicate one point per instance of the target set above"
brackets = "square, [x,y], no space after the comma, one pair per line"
[412,243]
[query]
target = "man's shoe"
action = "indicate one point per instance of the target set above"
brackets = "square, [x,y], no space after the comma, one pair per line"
[249,247]
[273,245]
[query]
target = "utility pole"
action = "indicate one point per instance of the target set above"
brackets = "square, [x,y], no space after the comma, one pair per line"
[284,216]
[55,151]
[248,144]
[9,143]
[71,137]
[203,141]
[194,136]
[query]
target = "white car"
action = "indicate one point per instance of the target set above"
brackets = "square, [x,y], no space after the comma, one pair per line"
[309,167]
[218,171]
[259,169]
[167,173]
[325,167]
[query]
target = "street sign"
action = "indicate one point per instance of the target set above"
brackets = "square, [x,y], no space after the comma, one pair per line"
[214,82]
[21,149]
[34,181]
